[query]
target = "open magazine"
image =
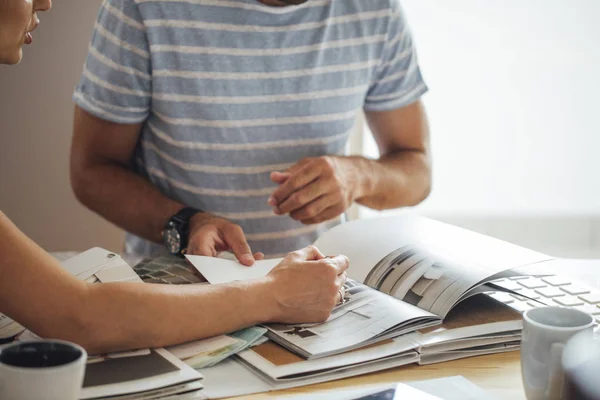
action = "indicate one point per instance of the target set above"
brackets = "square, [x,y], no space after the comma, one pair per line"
[369,315]
[407,273]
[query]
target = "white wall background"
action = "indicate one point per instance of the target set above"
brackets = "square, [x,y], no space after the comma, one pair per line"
[36,116]
[514,105]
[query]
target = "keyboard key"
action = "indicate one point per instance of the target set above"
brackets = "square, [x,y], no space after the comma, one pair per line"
[575,289]
[588,308]
[521,306]
[592,298]
[550,292]
[530,294]
[517,278]
[557,280]
[535,304]
[509,285]
[569,301]
[532,283]
[502,297]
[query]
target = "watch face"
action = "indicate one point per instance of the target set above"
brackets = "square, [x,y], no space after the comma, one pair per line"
[172,240]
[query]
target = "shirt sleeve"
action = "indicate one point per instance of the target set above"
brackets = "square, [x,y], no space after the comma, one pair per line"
[116,84]
[397,82]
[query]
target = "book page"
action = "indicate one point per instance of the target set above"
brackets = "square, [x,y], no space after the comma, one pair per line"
[421,261]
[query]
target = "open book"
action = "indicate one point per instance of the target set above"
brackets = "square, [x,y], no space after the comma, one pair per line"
[407,274]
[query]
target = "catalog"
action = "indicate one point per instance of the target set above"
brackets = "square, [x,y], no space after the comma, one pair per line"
[407,272]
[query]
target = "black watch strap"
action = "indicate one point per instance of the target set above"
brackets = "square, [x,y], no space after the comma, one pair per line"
[184,215]
[181,223]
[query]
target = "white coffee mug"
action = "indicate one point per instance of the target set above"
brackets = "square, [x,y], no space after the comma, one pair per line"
[42,369]
[546,330]
[581,363]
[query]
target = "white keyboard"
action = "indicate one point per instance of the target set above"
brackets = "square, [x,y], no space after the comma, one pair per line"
[526,292]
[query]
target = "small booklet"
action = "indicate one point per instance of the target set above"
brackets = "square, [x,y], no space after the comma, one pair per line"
[407,274]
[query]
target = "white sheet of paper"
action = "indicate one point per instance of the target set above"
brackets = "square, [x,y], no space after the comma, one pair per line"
[453,388]
[219,270]
[402,391]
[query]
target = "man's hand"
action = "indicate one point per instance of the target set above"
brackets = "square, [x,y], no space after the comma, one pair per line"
[305,286]
[210,235]
[317,189]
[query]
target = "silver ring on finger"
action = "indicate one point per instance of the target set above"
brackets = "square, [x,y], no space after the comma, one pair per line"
[342,293]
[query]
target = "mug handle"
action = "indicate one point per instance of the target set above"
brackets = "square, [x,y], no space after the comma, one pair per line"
[556,377]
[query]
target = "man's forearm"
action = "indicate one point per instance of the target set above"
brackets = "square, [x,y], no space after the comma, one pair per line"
[395,180]
[124,198]
[402,175]
[102,178]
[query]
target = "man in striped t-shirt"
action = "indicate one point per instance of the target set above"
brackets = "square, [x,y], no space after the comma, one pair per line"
[238,112]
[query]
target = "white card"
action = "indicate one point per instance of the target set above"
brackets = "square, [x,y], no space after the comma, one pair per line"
[219,270]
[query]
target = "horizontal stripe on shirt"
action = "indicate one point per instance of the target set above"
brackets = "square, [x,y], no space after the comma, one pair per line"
[193,24]
[268,52]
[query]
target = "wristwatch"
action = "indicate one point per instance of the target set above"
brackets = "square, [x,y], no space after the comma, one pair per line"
[176,232]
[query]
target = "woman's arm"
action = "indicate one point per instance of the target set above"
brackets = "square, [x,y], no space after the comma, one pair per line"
[39,294]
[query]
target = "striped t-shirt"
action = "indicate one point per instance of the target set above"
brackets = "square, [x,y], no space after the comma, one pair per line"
[230,90]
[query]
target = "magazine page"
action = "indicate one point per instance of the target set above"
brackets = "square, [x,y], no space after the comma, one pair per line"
[469,343]
[425,279]
[117,377]
[504,347]
[421,261]
[366,316]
